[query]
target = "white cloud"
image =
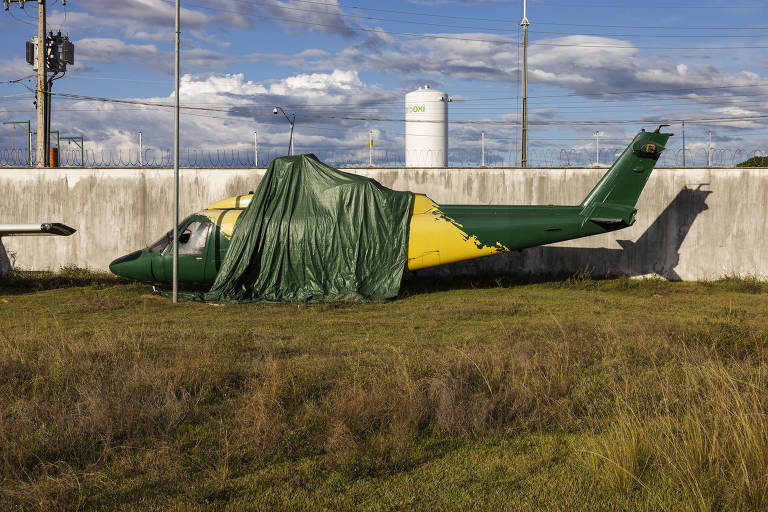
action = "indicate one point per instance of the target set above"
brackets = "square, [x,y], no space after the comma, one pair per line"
[586,65]
[147,11]
[15,68]
[113,51]
[231,88]
[326,17]
[115,126]
[103,49]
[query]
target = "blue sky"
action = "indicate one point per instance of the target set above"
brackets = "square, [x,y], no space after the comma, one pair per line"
[601,65]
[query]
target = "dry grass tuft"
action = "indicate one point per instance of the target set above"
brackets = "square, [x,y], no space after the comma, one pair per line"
[708,436]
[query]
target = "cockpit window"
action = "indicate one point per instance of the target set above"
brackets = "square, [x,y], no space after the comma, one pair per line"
[194,237]
[161,244]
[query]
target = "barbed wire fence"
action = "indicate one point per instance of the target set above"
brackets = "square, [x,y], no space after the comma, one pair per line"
[100,157]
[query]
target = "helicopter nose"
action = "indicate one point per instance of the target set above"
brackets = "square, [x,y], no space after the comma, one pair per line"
[134,266]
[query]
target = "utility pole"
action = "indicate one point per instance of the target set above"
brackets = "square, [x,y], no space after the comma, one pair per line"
[42,100]
[370,148]
[61,53]
[141,150]
[524,132]
[255,148]
[597,149]
[709,149]
[176,162]
[482,149]
[683,144]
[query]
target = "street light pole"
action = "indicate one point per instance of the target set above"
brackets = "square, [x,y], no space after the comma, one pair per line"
[524,131]
[291,120]
[176,162]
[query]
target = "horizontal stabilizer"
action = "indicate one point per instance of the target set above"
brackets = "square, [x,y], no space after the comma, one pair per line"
[603,220]
[48,228]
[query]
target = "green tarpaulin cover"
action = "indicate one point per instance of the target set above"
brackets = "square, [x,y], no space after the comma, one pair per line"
[312,232]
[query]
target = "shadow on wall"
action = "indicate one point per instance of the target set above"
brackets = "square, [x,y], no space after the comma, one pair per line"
[656,251]
[5,262]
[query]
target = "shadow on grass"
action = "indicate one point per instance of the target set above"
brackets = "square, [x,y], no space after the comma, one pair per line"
[417,283]
[17,281]
[413,283]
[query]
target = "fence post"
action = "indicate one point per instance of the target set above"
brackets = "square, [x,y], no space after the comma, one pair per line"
[482,148]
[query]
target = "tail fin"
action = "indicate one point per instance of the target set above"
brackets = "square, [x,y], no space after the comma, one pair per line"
[612,201]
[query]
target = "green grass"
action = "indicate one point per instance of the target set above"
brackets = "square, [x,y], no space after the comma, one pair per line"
[495,394]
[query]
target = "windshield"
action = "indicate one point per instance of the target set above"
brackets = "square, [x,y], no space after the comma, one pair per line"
[198,232]
[161,244]
[197,237]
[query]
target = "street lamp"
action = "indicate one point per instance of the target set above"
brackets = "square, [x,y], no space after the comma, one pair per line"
[291,120]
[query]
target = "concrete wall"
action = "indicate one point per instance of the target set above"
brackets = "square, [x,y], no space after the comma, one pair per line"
[692,223]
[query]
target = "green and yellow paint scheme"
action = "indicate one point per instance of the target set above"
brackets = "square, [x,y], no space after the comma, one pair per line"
[439,234]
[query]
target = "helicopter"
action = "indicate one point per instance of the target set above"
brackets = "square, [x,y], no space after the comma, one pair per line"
[438,234]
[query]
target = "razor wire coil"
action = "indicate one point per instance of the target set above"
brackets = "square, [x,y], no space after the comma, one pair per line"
[152,157]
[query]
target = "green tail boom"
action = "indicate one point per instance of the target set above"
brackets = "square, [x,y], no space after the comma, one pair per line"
[608,207]
[613,199]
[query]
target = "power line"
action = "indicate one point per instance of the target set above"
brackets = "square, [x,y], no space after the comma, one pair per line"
[654,90]
[485,28]
[16,80]
[490,41]
[119,79]
[647,27]
[498,20]
[392,11]
[634,6]
[379,119]
[458,102]
[22,21]
[657,36]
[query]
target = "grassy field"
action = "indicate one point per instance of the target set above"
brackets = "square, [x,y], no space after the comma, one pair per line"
[568,394]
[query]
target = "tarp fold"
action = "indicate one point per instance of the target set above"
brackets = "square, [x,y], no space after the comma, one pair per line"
[312,232]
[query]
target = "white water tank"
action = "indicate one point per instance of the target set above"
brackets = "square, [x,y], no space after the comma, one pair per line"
[426,128]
